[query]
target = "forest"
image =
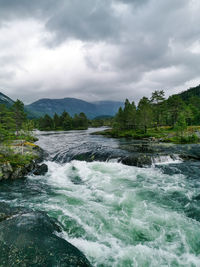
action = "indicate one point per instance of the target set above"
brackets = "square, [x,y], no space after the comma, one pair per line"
[63,122]
[157,115]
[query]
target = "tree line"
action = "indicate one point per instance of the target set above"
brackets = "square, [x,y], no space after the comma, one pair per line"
[63,122]
[152,112]
[158,111]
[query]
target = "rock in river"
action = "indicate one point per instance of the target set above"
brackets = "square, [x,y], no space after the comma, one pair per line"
[41,169]
[27,238]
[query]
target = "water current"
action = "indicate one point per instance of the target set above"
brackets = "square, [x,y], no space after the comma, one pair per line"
[117,215]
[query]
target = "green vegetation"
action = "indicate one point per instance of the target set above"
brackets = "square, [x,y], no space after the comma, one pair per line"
[168,120]
[14,126]
[101,121]
[63,122]
[16,159]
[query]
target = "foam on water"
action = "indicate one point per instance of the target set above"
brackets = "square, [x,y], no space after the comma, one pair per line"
[166,159]
[121,215]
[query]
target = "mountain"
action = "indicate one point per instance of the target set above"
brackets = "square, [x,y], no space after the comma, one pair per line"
[6,100]
[73,106]
[194,91]
[109,108]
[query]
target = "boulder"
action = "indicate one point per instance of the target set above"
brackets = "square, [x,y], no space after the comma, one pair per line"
[41,169]
[28,238]
[138,160]
[9,170]
[5,170]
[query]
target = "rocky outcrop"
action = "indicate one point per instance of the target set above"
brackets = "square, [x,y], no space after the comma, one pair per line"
[27,238]
[137,160]
[15,170]
[7,171]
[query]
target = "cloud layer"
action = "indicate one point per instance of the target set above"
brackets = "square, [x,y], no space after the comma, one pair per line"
[98,49]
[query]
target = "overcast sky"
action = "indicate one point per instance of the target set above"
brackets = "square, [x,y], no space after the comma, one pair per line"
[98,49]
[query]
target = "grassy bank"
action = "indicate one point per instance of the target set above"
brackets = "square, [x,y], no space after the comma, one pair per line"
[18,157]
[161,134]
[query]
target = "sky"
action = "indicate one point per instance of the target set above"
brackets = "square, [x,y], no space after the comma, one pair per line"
[98,49]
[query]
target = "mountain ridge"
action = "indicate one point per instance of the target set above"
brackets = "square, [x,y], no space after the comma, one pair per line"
[192,91]
[4,99]
[73,106]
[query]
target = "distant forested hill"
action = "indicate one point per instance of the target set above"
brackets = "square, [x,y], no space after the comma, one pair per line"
[74,106]
[194,91]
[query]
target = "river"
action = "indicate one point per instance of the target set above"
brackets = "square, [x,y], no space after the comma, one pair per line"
[117,215]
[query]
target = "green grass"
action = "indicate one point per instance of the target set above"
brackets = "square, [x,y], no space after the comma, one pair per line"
[162,134]
[16,159]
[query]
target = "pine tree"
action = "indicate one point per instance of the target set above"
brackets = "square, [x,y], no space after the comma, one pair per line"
[157,99]
[175,107]
[19,114]
[145,114]
[7,123]
[46,123]
[66,121]
[181,124]
[119,121]
[129,115]
[56,121]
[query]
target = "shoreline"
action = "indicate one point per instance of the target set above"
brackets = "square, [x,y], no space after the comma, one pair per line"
[168,136]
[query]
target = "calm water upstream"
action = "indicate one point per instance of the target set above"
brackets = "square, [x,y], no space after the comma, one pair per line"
[117,215]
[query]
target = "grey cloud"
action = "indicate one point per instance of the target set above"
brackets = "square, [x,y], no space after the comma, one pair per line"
[134,2]
[85,20]
[148,36]
[21,9]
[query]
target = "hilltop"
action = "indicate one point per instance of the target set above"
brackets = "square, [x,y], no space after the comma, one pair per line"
[74,106]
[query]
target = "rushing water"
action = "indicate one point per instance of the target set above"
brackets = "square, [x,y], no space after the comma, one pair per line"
[117,215]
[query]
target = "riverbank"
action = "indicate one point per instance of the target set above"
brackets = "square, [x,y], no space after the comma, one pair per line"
[20,157]
[162,134]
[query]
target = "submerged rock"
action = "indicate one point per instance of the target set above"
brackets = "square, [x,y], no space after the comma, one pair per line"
[28,238]
[41,169]
[138,160]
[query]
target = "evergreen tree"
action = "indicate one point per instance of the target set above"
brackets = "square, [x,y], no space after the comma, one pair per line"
[194,105]
[119,122]
[66,121]
[7,119]
[56,121]
[145,114]
[129,115]
[46,123]
[175,106]
[83,120]
[157,99]
[19,114]
[181,124]
[80,121]
[7,123]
